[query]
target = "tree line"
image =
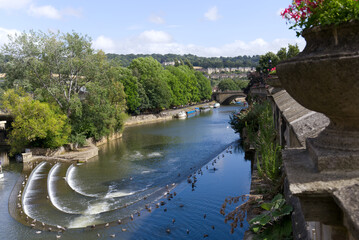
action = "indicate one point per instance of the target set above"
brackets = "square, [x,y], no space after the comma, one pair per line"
[212,62]
[60,90]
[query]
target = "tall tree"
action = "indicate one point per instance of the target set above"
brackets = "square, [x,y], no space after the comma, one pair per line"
[227,84]
[149,72]
[35,123]
[204,86]
[57,66]
[268,61]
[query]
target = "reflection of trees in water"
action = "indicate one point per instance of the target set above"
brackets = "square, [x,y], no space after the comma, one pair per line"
[4,158]
[111,146]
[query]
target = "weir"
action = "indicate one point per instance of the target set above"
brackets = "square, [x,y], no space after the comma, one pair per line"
[131,176]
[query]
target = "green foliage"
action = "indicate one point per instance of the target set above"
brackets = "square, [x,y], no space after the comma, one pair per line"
[187,85]
[102,110]
[227,84]
[249,117]
[78,138]
[131,86]
[262,134]
[275,222]
[213,62]
[283,54]
[268,61]
[149,73]
[56,65]
[306,14]
[204,86]
[35,123]
[258,121]
[63,69]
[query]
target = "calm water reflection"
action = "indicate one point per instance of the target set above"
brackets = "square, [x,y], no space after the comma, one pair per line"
[140,166]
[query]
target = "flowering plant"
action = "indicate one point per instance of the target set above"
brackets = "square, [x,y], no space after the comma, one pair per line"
[273,71]
[304,14]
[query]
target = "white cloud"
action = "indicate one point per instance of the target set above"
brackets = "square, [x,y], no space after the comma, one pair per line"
[14,4]
[4,33]
[153,36]
[72,12]
[212,14]
[156,19]
[105,44]
[47,11]
[161,42]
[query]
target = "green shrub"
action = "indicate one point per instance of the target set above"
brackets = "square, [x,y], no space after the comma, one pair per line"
[35,123]
[275,223]
[258,121]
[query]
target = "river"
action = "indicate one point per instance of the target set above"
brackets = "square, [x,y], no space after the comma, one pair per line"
[130,176]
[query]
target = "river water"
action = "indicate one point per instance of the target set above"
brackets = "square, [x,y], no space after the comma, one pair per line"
[130,176]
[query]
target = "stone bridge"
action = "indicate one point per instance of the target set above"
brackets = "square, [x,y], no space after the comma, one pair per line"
[226,97]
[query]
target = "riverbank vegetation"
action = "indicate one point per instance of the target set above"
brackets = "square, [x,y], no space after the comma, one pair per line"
[266,209]
[212,62]
[257,122]
[232,84]
[88,93]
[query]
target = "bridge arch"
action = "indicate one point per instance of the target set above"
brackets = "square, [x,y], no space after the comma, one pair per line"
[228,100]
[226,97]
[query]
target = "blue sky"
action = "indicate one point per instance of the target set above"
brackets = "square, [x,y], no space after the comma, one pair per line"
[202,27]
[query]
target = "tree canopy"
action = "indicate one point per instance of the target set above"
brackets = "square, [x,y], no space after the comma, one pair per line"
[190,59]
[89,93]
[36,123]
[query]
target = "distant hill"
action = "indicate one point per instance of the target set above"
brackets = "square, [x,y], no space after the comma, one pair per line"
[213,62]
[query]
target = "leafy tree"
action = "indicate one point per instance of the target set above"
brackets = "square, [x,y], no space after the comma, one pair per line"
[282,54]
[293,50]
[102,111]
[227,84]
[187,80]
[188,63]
[268,61]
[241,83]
[131,86]
[35,123]
[149,73]
[204,86]
[178,91]
[63,69]
[239,61]
[53,65]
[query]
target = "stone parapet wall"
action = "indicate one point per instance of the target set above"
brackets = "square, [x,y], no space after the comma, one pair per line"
[325,203]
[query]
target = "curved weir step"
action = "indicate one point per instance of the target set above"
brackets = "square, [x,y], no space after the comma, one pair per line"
[70,181]
[61,195]
[36,203]
[49,199]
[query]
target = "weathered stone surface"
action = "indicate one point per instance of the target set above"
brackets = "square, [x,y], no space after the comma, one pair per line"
[324,196]
[324,77]
[348,200]
[332,159]
[305,180]
[303,122]
[274,81]
[298,221]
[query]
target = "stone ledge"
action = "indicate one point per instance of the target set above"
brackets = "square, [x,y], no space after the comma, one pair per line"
[304,122]
[305,180]
[348,200]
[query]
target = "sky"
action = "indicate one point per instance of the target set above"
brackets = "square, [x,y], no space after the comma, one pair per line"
[206,28]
